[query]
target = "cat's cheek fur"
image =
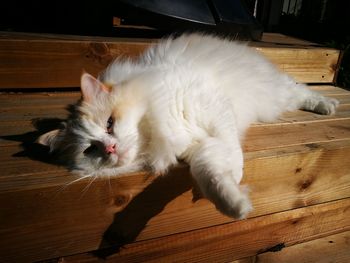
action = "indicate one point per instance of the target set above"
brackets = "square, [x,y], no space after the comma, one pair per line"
[128,156]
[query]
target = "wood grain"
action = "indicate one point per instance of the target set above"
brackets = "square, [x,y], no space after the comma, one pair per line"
[305,65]
[57,61]
[235,240]
[334,248]
[49,214]
[305,156]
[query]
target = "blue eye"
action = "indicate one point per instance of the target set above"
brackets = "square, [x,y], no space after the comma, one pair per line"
[109,124]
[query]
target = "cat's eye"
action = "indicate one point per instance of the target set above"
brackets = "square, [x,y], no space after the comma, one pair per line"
[109,125]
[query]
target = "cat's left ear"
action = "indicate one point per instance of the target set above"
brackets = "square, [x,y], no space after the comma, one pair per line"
[49,139]
[91,87]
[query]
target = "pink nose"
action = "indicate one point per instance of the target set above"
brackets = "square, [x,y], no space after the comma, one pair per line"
[111,149]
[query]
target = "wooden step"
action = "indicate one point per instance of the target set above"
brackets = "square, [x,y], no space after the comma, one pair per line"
[297,168]
[43,61]
[298,162]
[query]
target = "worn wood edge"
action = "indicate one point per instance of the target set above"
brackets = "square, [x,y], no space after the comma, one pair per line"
[271,38]
[284,39]
[337,66]
[268,39]
[26,36]
[235,240]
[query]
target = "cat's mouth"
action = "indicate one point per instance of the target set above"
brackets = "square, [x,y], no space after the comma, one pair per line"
[118,159]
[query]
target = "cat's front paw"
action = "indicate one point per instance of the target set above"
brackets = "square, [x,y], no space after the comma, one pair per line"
[161,165]
[233,201]
[242,208]
[239,208]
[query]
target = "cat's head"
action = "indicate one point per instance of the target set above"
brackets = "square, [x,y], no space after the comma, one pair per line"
[102,131]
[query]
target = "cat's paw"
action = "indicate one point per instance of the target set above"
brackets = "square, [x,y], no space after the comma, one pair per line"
[161,165]
[233,201]
[327,106]
[240,208]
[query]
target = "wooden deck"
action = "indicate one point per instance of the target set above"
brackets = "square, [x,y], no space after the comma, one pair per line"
[297,168]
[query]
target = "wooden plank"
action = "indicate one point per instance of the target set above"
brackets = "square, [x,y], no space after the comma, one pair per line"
[58,63]
[305,65]
[343,112]
[51,213]
[274,135]
[334,248]
[309,128]
[18,111]
[238,239]
[280,39]
[17,99]
[49,61]
[328,89]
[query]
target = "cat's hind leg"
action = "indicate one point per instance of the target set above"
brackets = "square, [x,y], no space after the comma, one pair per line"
[217,168]
[313,101]
[320,104]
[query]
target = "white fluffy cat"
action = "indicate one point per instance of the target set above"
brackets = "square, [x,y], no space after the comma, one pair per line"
[189,98]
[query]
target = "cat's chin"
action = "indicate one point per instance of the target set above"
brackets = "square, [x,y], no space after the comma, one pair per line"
[114,160]
[123,160]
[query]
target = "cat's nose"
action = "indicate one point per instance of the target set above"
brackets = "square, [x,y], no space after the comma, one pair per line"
[111,149]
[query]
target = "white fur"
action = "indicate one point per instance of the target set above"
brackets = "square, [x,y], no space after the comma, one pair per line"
[195,97]
[202,93]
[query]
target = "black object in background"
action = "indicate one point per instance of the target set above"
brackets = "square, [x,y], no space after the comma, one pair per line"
[134,18]
[227,17]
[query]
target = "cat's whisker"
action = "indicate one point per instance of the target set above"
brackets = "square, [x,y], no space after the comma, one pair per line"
[86,188]
[63,187]
[110,185]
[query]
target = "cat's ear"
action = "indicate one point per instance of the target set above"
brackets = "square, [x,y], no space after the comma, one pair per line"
[49,139]
[91,87]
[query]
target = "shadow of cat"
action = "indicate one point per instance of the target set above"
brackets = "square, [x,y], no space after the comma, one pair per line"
[27,140]
[131,221]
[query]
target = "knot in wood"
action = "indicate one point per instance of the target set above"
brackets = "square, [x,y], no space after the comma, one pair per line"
[121,200]
[99,49]
[298,170]
[305,184]
[99,52]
